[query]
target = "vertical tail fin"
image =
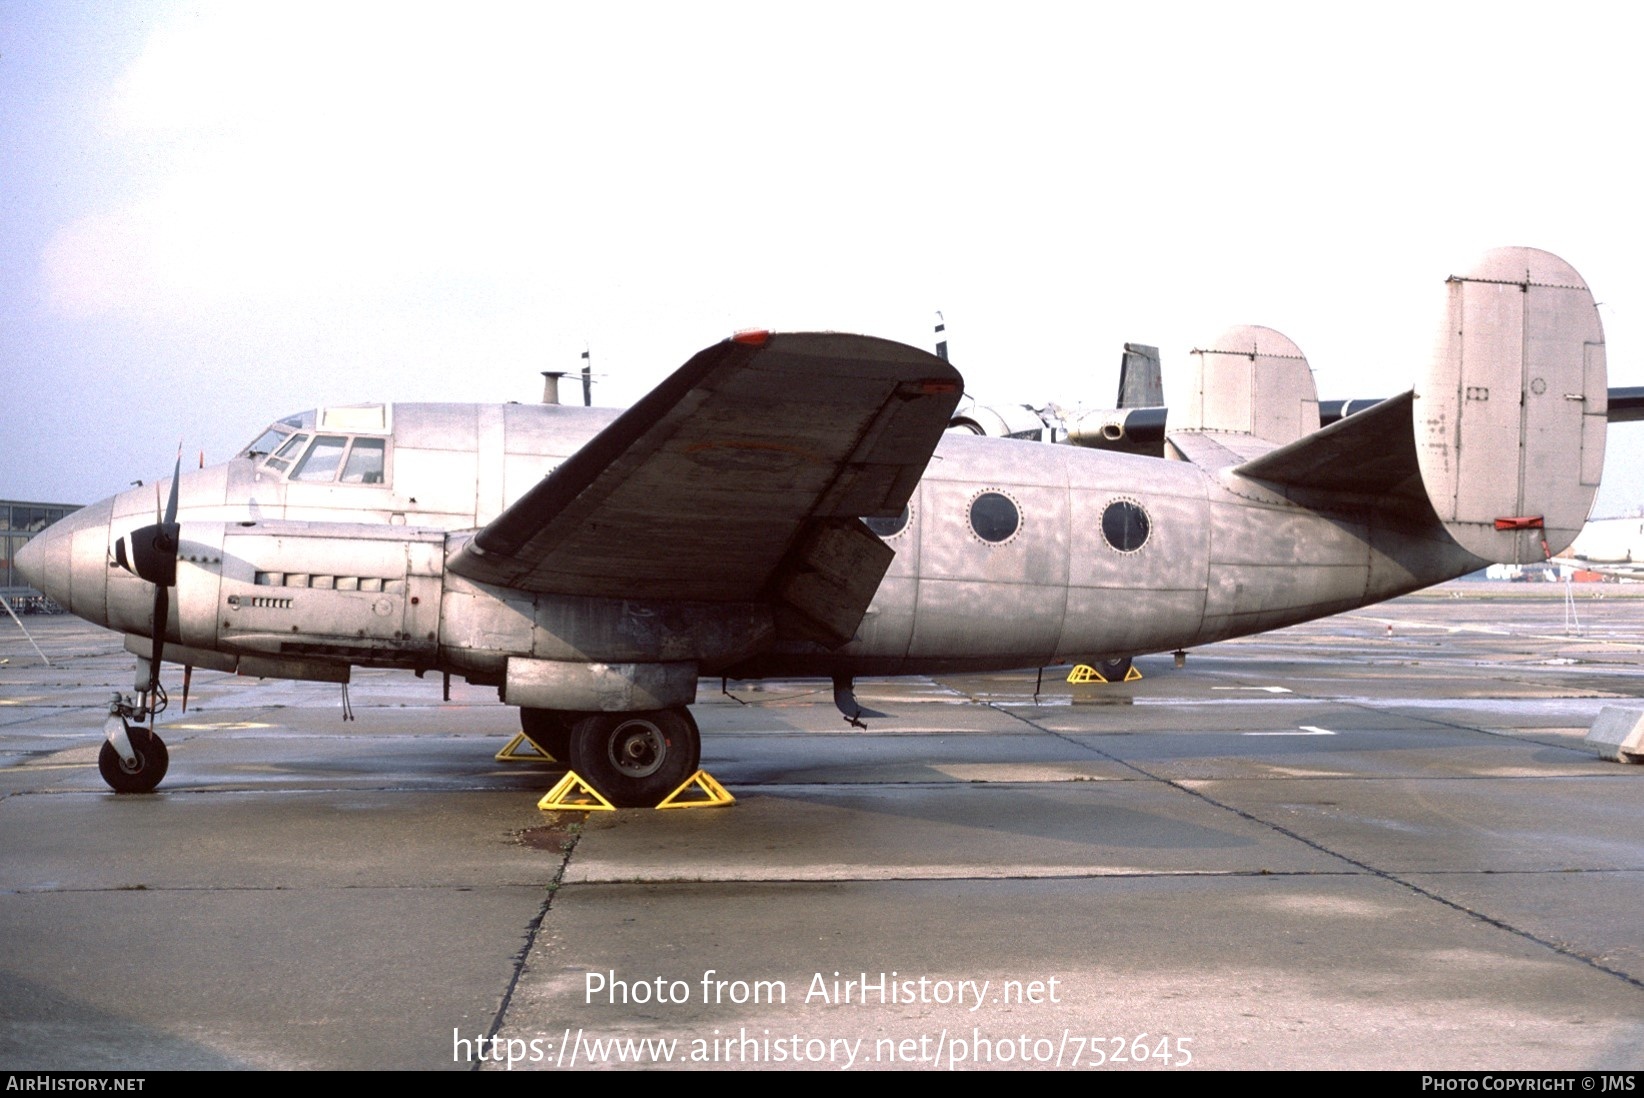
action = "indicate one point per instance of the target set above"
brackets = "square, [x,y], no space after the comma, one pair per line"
[1510,416]
[1141,380]
[1252,380]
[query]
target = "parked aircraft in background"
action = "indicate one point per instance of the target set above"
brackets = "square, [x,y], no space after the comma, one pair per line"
[1610,547]
[789,505]
[1137,425]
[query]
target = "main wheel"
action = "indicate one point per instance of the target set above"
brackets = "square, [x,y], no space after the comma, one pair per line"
[1114,670]
[636,759]
[550,730]
[143,775]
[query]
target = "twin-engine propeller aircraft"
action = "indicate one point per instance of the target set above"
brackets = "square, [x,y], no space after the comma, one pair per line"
[788,505]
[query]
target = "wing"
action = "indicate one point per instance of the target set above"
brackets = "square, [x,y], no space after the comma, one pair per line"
[740,478]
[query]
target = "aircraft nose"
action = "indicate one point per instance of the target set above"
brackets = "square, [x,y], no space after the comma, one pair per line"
[69,560]
[41,555]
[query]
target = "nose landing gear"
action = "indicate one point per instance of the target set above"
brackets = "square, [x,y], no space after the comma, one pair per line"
[133,758]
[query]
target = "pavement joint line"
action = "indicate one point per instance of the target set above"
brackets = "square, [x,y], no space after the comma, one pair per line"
[532,929]
[1386,875]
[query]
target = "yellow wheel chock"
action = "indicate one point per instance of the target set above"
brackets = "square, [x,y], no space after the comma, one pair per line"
[520,749]
[1084,674]
[712,793]
[572,793]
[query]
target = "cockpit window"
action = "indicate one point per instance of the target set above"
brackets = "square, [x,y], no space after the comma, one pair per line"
[365,462]
[321,462]
[281,461]
[330,459]
[266,445]
[269,441]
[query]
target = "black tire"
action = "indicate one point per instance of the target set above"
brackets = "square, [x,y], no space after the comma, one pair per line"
[636,759]
[1114,670]
[150,768]
[550,730]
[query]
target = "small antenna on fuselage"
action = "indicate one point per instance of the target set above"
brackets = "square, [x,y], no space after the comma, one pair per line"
[941,337]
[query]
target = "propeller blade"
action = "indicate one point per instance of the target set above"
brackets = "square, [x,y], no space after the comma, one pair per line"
[154,558]
[162,610]
[176,478]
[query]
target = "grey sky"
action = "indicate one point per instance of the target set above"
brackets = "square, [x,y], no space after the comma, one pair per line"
[214,214]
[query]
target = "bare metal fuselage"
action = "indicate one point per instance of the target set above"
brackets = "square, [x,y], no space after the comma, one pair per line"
[787,504]
[285,578]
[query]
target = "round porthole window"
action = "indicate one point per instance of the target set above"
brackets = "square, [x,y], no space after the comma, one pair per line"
[889,527]
[1124,525]
[994,517]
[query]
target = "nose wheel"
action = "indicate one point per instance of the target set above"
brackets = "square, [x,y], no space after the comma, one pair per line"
[133,758]
[143,771]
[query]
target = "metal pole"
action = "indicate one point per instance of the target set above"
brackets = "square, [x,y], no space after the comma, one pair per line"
[19,622]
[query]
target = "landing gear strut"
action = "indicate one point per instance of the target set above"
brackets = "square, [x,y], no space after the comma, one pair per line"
[133,758]
[636,759]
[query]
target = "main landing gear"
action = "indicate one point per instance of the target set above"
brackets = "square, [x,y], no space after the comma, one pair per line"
[634,759]
[550,730]
[1114,670]
[133,758]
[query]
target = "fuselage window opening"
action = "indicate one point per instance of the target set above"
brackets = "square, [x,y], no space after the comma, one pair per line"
[994,517]
[889,527]
[1125,525]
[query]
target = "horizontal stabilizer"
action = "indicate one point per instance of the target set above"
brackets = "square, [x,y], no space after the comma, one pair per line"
[1626,404]
[1369,453]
